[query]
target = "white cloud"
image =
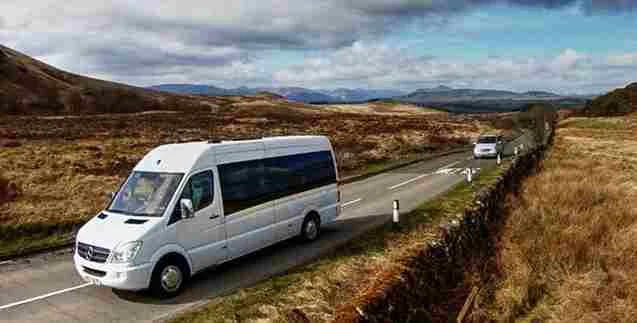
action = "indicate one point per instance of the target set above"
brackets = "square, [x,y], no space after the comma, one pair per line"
[629,59]
[379,65]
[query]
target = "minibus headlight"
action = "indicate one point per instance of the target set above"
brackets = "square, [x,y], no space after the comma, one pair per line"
[126,252]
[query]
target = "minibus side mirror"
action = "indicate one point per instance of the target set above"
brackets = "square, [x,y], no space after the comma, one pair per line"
[187,211]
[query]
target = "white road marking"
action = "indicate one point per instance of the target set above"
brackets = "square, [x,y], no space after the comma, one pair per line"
[422,176]
[408,181]
[450,171]
[450,165]
[37,298]
[351,202]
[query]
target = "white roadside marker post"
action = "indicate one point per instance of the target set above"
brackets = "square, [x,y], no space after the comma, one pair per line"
[499,160]
[396,214]
[469,175]
[515,151]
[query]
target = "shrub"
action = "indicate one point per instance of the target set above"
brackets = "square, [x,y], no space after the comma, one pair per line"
[8,191]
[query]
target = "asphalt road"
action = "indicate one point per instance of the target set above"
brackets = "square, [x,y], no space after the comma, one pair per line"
[46,288]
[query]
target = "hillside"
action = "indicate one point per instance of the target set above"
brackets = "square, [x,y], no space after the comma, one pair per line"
[29,86]
[617,102]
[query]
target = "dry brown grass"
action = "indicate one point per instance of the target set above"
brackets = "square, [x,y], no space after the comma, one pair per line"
[568,251]
[385,108]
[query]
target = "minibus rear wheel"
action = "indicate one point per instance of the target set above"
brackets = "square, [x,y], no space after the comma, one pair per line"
[311,228]
[169,276]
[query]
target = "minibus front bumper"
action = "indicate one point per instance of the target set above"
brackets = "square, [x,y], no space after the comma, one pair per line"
[117,276]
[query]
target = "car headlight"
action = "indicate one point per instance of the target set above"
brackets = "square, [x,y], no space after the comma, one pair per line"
[126,252]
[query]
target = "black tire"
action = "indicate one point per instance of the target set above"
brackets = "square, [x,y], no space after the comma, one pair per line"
[167,267]
[311,228]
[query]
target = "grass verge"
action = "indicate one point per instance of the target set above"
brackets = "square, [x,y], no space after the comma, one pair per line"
[32,244]
[317,289]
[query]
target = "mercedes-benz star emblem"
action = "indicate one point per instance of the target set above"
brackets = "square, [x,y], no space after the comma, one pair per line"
[89,253]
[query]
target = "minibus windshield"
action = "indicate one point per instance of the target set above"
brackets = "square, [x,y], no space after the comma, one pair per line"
[146,194]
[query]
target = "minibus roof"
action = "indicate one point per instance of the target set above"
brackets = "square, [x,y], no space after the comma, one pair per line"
[182,157]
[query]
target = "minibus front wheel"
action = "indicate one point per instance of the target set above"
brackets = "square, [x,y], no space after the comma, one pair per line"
[169,276]
[311,228]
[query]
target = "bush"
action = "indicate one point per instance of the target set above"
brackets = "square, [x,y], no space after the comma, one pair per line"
[8,191]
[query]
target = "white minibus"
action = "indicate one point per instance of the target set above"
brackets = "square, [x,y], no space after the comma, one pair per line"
[186,207]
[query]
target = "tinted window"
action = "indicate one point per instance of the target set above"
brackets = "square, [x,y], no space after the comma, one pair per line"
[246,184]
[298,173]
[242,185]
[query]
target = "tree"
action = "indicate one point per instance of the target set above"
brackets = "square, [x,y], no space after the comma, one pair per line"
[534,117]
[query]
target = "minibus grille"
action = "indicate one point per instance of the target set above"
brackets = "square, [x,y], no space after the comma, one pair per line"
[92,253]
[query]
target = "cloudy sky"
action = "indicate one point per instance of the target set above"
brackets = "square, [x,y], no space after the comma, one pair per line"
[568,46]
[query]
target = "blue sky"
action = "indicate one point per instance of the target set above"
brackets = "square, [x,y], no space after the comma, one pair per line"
[568,46]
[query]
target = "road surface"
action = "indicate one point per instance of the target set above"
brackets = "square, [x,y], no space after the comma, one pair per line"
[46,288]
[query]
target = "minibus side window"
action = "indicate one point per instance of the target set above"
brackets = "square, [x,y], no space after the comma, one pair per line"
[242,185]
[250,183]
[199,189]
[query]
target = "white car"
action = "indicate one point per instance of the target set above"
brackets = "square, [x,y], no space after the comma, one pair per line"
[488,146]
[186,207]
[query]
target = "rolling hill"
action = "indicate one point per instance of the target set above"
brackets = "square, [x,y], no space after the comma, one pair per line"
[617,102]
[29,86]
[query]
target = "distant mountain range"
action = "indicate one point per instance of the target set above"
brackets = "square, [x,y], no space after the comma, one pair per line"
[441,96]
[291,93]
[481,100]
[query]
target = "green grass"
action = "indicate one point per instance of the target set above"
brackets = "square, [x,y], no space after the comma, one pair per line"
[33,243]
[275,297]
[374,168]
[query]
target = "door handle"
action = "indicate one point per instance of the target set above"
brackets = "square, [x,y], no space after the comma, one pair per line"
[212,217]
